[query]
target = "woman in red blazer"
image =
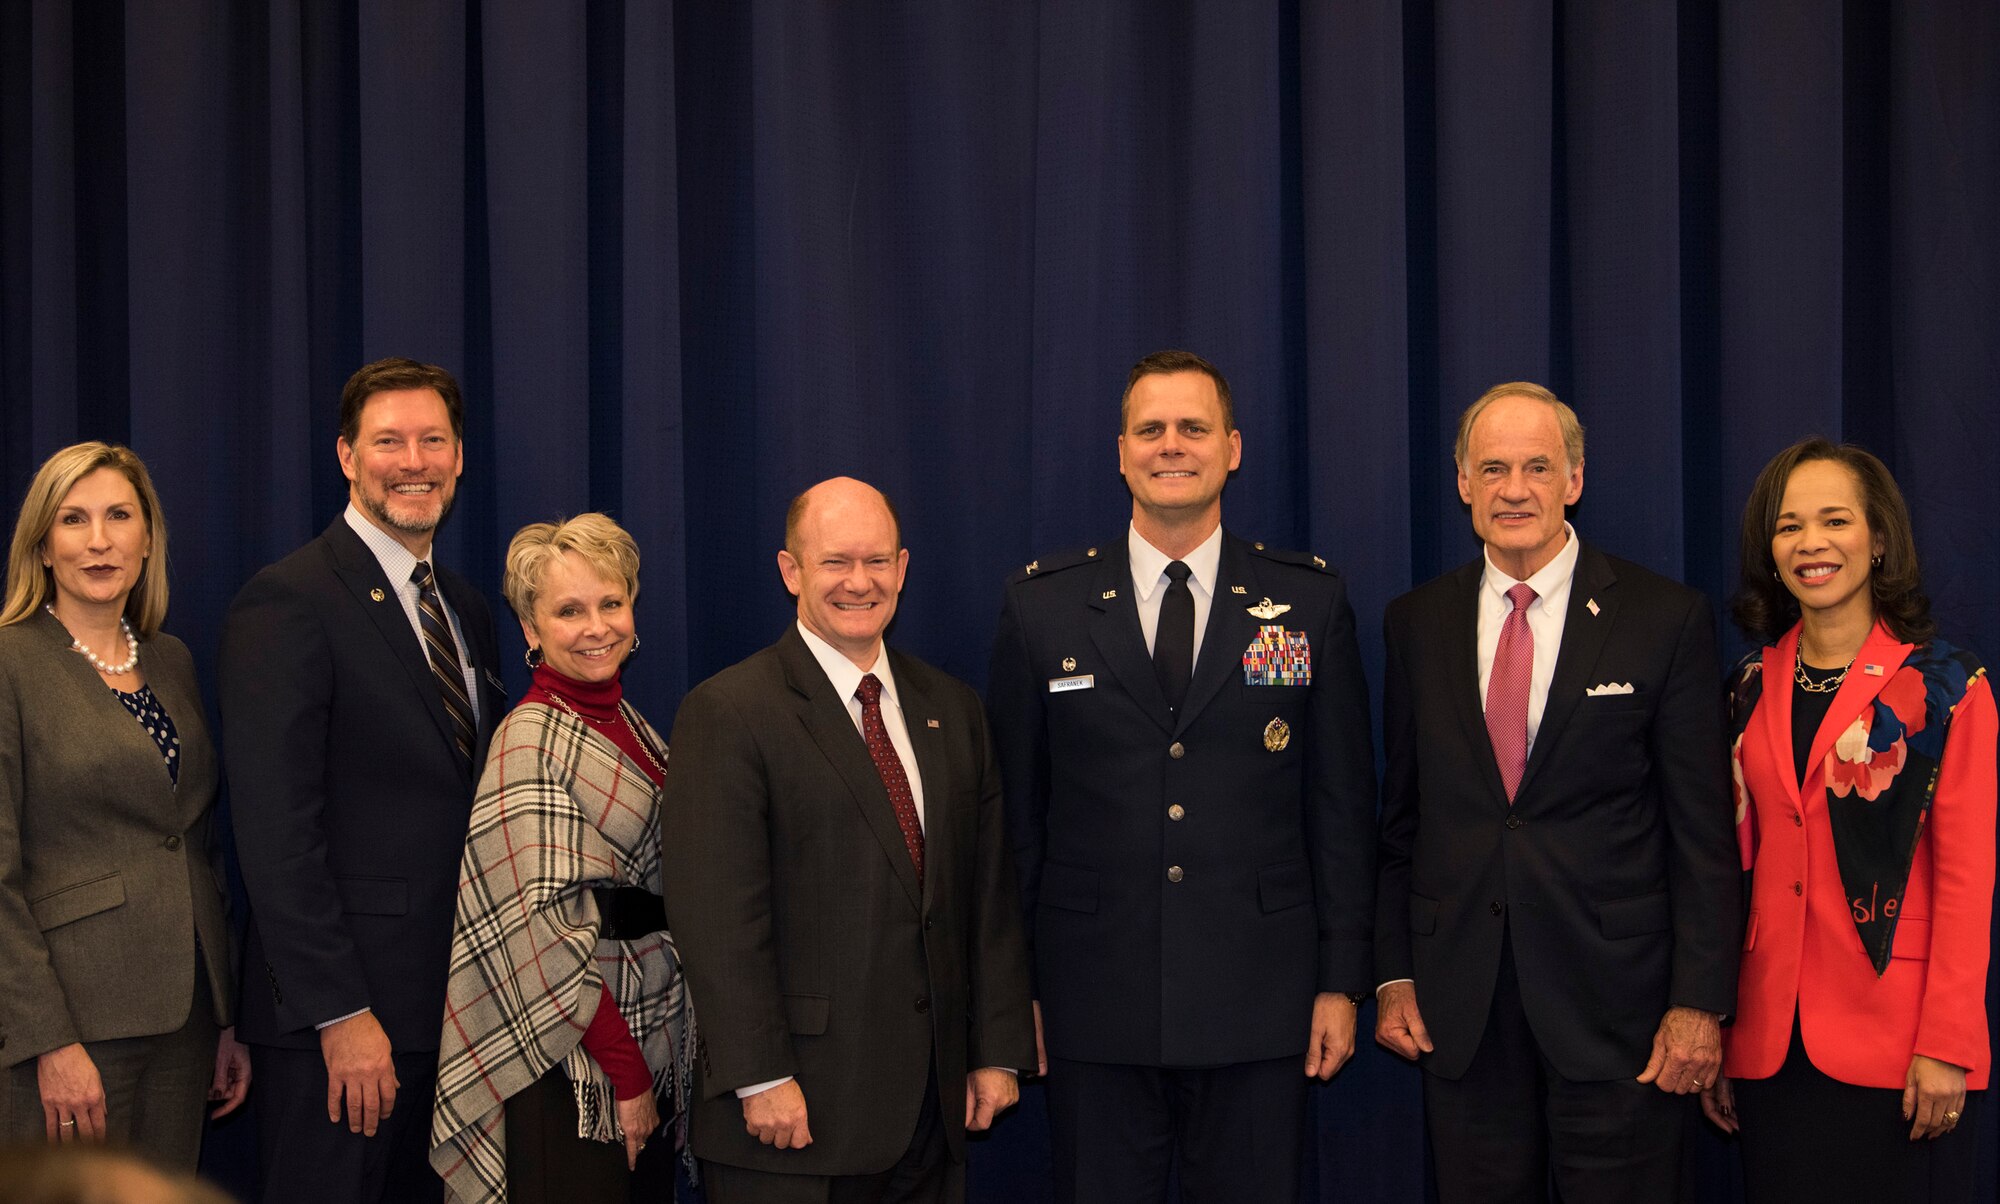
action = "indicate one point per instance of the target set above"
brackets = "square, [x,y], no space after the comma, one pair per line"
[1864,758]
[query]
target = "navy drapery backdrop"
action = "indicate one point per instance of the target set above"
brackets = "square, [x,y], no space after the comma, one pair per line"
[690,258]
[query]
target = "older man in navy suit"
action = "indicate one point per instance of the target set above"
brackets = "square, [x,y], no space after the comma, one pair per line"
[358,693]
[1558,914]
[1183,734]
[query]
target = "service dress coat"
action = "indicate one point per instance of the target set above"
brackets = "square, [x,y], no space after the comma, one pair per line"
[1613,873]
[110,881]
[1190,882]
[1802,954]
[349,800]
[809,948]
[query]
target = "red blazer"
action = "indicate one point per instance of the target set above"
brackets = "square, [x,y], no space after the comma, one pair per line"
[1800,945]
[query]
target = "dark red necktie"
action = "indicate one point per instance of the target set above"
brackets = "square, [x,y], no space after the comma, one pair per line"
[890,766]
[1507,690]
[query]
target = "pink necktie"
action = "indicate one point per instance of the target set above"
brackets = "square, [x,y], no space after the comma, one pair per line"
[1507,690]
[890,766]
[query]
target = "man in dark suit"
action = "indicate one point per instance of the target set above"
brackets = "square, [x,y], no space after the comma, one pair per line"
[358,692]
[1183,733]
[1557,922]
[837,882]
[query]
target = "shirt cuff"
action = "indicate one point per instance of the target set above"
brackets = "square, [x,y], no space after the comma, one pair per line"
[337,1019]
[1392,982]
[761,1088]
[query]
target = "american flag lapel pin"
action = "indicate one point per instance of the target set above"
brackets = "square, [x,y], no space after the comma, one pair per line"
[930,723]
[1872,670]
[1592,607]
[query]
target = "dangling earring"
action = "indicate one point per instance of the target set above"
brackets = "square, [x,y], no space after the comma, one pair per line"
[534,657]
[635,647]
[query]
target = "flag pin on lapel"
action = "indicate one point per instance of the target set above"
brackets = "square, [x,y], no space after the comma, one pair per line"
[930,723]
[1592,607]
[1872,670]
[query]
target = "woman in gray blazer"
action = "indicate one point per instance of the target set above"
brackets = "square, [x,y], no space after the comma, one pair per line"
[116,979]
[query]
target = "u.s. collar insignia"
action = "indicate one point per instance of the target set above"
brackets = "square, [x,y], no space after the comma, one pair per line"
[1110,594]
[1237,589]
[377,594]
[1069,664]
[1277,734]
[1268,609]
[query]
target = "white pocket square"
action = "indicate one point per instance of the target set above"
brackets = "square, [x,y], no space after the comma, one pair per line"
[1609,687]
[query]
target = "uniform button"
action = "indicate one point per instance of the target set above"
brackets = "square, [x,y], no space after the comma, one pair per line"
[1176,811]
[923,1003]
[1175,750]
[173,842]
[1513,821]
[1174,873]
[1798,888]
[1798,821]
[1495,907]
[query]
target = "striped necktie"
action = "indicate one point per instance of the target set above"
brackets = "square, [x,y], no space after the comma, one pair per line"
[442,652]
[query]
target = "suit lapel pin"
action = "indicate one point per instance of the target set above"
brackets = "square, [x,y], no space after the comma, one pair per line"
[930,723]
[1592,607]
[377,594]
[1269,610]
[1237,589]
[1110,594]
[1277,734]
[1069,664]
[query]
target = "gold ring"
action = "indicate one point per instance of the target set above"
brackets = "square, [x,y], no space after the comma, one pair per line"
[1952,1117]
[1697,1084]
[70,1121]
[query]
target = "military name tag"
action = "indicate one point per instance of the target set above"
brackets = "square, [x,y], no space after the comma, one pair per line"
[1063,685]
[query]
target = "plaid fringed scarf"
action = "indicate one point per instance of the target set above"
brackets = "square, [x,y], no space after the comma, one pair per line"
[558,810]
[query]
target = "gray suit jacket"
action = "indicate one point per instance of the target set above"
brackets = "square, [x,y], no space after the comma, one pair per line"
[108,873]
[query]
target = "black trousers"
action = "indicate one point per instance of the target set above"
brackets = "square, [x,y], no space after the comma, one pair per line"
[308,1158]
[1233,1134]
[925,1174]
[547,1163]
[1809,1137]
[1501,1131]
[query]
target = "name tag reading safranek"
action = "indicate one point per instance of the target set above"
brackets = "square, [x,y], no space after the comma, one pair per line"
[1063,685]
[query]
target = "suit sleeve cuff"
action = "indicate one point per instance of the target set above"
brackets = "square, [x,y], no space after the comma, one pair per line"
[761,1088]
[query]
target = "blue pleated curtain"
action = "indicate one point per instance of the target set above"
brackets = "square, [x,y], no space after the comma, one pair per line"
[689,258]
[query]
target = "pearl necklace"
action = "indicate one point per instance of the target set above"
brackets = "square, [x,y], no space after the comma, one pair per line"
[131,660]
[636,737]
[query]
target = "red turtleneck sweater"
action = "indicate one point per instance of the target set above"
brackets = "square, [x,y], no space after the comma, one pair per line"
[608,1039]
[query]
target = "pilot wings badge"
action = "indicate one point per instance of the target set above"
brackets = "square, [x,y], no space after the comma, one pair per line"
[1269,610]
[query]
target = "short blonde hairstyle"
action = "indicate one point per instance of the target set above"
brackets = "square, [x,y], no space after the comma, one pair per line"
[1566,420]
[30,583]
[603,544]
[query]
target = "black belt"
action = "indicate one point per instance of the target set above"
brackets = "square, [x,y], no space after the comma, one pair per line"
[629,912]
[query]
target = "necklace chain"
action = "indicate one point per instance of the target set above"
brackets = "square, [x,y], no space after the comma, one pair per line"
[131,647]
[1812,686]
[638,739]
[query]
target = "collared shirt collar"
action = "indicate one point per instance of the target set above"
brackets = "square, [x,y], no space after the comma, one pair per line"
[397,561]
[1547,581]
[846,678]
[1149,564]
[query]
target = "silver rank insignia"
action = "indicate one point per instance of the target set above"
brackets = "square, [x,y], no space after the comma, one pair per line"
[1069,664]
[1277,734]
[1269,610]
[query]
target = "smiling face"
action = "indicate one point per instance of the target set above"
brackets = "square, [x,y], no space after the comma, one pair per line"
[403,465]
[1517,479]
[99,542]
[1822,546]
[847,570]
[583,620]
[1174,453]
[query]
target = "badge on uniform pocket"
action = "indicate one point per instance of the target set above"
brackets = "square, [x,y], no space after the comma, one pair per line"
[1278,658]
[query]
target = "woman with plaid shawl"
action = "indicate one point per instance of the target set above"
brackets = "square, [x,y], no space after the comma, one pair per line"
[566,1028]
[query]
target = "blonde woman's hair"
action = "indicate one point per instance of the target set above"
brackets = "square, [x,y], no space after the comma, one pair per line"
[30,583]
[604,545]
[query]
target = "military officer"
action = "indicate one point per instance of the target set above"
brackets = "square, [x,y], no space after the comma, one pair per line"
[1182,726]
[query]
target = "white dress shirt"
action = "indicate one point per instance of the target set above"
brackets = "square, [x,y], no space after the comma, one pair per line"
[1150,581]
[1545,616]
